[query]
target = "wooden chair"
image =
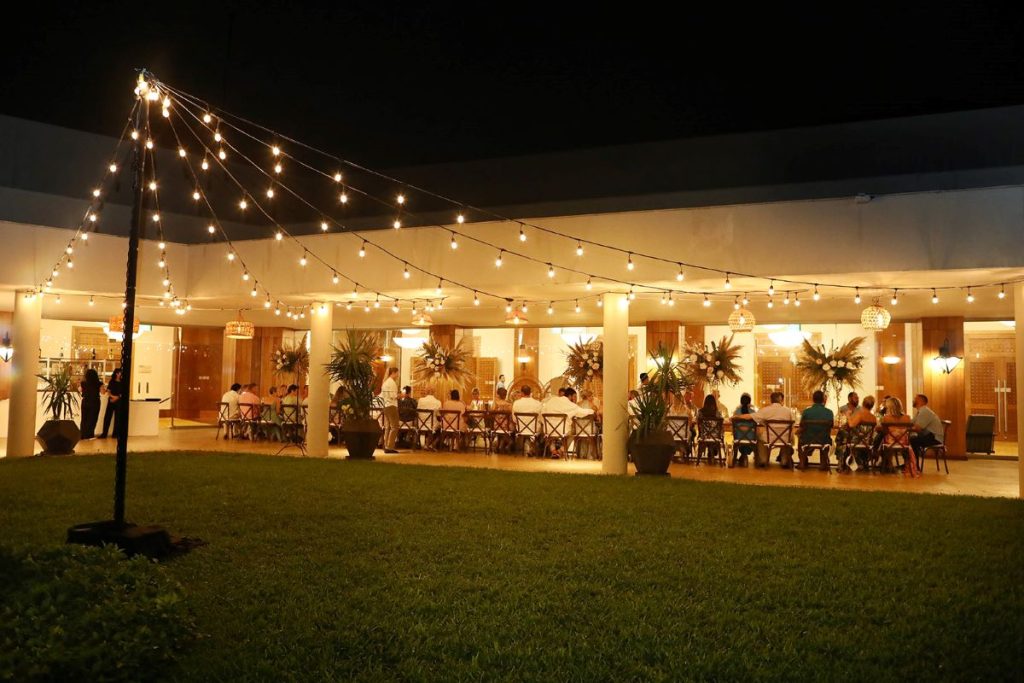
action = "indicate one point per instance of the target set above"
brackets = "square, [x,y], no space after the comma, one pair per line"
[937,450]
[407,427]
[585,434]
[426,427]
[556,431]
[711,439]
[249,420]
[476,429]
[778,434]
[501,432]
[451,429]
[744,433]
[895,442]
[529,430]
[293,421]
[860,442]
[267,425]
[679,427]
[225,421]
[819,439]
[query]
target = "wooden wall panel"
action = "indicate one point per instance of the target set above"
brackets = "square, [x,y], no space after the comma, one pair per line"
[891,379]
[200,373]
[665,332]
[946,393]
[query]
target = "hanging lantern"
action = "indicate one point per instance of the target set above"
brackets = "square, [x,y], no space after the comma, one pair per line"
[239,329]
[874,318]
[116,324]
[741,320]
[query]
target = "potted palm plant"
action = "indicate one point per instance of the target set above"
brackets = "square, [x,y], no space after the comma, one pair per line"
[352,365]
[60,434]
[650,444]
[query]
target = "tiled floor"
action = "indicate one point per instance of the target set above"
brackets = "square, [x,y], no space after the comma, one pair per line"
[990,477]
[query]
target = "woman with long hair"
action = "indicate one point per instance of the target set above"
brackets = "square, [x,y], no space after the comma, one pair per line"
[90,388]
[115,391]
[894,416]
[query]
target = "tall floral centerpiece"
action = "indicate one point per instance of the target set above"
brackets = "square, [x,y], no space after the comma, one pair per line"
[443,367]
[831,370]
[711,364]
[291,359]
[585,364]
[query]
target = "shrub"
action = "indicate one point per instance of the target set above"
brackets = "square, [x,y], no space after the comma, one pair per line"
[78,613]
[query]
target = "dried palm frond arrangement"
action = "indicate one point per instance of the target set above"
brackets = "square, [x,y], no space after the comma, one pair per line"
[445,364]
[713,364]
[830,370]
[291,358]
[585,361]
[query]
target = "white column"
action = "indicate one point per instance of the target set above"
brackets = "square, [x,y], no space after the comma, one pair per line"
[21,418]
[616,369]
[1018,316]
[321,333]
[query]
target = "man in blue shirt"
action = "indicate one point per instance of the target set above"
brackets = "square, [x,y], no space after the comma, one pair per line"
[816,433]
[927,429]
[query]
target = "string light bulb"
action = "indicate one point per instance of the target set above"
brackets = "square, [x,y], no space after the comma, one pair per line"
[476,299]
[181,152]
[815,296]
[629,262]
[579,248]
[680,275]
[278,167]
[935,297]
[324,226]
[275,150]
[970,296]
[112,168]
[736,304]
[746,300]
[856,297]
[771,288]
[304,260]
[278,235]
[205,165]
[397,224]
[796,299]
[245,275]
[551,309]
[522,233]
[270,193]
[243,205]
[152,187]
[771,303]
[460,219]
[337,177]
[454,242]
[1002,292]
[895,297]
[266,304]
[334,278]
[207,118]
[222,154]
[498,261]
[401,199]
[362,250]
[196,195]
[632,295]
[551,270]
[405,272]
[91,301]
[786,300]
[589,284]
[253,292]
[437,290]
[728,284]
[577,308]
[231,256]
[707,301]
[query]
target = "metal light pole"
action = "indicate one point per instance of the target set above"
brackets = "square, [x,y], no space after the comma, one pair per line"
[147,540]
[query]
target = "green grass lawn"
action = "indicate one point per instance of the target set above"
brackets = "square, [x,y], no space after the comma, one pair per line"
[326,570]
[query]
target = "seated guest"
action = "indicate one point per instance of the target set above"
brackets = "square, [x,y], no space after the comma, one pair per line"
[407,405]
[429,402]
[456,404]
[291,397]
[565,405]
[271,398]
[863,415]
[249,402]
[774,411]
[928,428]
[847,410]
[231,398]
[744,427]
[282,391]
[814,433]
[894,416]
[708,411]
[633,405]
[501,404]
[474,400]
[526,404]
[304,395]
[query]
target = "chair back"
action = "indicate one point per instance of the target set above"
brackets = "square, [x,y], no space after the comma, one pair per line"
[816,432]
[502,423]
[249,411]
[267,412]
[778,433]
[710,428]
[584,427]
[527,424]
[679,427]
[861,437]
[556,425]
[743,431]
[290,414]
[425,421]
[476,421]
[450,421]
[897,436]
[222,412]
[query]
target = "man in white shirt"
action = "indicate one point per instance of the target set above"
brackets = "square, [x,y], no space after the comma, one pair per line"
[231,397]
[774,411]
[389,397]
[527,403]
[565,405]
[431,403]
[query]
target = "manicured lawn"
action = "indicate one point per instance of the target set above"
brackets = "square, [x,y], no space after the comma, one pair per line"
[327,570]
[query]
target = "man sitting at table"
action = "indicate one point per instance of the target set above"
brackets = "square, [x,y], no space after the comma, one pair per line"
[429,402]
[927,429]
[407,414]
[816,434]
[565,405]
[249,402]
[851,405]
[774,411]
[526,404]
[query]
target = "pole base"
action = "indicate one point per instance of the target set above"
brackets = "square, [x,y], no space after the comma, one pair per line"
[151,541]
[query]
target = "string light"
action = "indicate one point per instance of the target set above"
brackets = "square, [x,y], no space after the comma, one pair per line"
[895,299]
[278,235]
[222,154]
[1002,292]
[181,152]
[112,168]
[243,205]
[303,261]
[245,275]
[600,302]
[362,250]
[771,303]
[324,226]
[736,304]
[270,193]
[266,304]
[394,307]
[522,233]
[786,300]
[551,308]
[476,299]
[856,298]
[579,248]
[334,278]
[454,242]
[707,301]
[796,299]
[196,195]
[96,192]
[205,165]
[460,219]
[746,301]
[815,296]
[437,290]
[405,272]
[589,284]
[337,177]
[632,295]
[728,284]
[577,308]
[508,306]
[397,224]
[149,144]
[771,288]
[935,297]
[161,245]
[401,199]
[524,307]
[278,167]
[970,296]
[498,261]
[135,135]
[253,292]
[231,256]
[680,275]
[551,270]
[629,262]
[91,301]
[275,150]
[152,187]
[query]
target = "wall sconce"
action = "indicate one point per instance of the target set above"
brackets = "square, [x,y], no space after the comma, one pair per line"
[891,360]
[6,350]
[946,361]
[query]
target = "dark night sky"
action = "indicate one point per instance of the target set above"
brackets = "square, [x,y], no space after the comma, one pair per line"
[388,84]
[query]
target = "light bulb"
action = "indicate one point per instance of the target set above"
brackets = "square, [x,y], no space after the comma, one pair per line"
[589,285]
[207,118]
[508,307]
[632,295]
[629,262]
[324,226]
[91,302]
[92,219]
[135,135]
[270,193]
[278,235]
[577,309]
[222,154]
[894,300]
[161,263]
[303,261]
[856,298]
[205,165]
[579,248]
[217,137]
[679,275]
[522,235]
[337,177]
[405,272]
[243,205]
[524,308]
[671,301]
[245,275]
[498,261]
[1002,292]
[815,296]
[152,186]
[149,144]
[454,243]
[746,301]
[935,297]
[266,304]
[211,229]
[231,256]
[70,250]
[771,304]
[362,250]
[736,304]
[161,245]
[334,278]
[707,301]
[728,284]
[275,150]
[786,300]
[460,219]
[96,192]
[551,308]
[165,282]
[437,290]
[253,292]
[600,302]
[376,302]
[196,195]
[401,199]
[663,300]
[970,296]
[476,299]
[181,152]
[551,270]
[796,299]
[277,311]
[397,224]
[278,167]
[112,168]
[771,289]
[394,307]
[156,218]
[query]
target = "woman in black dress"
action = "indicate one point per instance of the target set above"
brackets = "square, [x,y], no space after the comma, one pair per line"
[114,392]
[90,403]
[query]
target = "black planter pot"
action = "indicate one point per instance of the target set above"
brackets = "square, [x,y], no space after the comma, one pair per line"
[652,454]
[58,437]
[361,438]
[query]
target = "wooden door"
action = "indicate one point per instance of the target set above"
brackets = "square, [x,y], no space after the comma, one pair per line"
[991,370]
